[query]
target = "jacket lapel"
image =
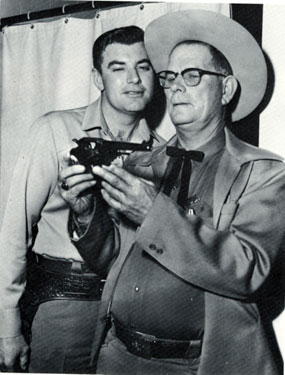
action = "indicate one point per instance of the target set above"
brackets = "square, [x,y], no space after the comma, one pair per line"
[237,153]
[227,173]
[159,164]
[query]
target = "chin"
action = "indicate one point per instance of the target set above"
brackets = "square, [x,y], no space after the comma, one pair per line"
[135,107]
[180,116]
[181,120]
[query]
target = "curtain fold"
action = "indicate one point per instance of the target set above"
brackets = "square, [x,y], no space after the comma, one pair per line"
[47,66]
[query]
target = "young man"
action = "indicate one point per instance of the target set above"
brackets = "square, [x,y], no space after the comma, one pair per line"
[183,296]
[64,325]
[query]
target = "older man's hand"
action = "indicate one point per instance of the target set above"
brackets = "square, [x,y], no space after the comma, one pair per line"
[130,195]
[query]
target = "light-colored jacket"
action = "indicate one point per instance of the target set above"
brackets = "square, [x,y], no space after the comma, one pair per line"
[231,263]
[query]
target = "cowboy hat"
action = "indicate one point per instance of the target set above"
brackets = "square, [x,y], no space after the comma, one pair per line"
[229,37]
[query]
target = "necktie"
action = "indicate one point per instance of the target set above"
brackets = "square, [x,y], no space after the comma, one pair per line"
[180,158]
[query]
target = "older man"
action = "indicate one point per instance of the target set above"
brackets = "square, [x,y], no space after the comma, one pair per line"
[58,292]
[183,295]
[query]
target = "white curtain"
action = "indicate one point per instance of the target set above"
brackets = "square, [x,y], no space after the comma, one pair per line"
[47,66]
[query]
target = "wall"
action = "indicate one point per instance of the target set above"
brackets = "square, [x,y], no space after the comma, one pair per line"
[272,119]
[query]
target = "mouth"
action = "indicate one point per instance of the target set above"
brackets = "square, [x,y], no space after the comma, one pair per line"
[179,104]
[134,93]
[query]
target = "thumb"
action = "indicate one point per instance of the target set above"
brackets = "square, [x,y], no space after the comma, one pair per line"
[66,157]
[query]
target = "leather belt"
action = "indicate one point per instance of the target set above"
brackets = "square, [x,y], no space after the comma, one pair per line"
[60,265]
[147,346]
[56,279]
[51,278]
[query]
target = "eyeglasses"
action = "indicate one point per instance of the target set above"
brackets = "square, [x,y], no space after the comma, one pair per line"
[191,76]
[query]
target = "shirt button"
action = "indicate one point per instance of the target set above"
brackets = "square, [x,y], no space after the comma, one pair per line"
[137,288]
[159,251]
[152,246]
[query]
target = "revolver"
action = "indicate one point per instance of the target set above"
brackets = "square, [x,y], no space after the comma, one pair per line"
[96,151]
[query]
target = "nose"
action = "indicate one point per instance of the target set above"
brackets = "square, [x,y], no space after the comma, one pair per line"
[178,84]
[133,76]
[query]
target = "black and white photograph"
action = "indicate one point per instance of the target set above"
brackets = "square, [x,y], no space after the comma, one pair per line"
[142,187]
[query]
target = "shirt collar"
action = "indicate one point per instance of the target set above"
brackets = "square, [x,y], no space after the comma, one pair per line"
[93,117]
[211,147]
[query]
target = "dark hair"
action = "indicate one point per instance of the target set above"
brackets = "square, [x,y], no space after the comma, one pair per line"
[123,35]
[220,62]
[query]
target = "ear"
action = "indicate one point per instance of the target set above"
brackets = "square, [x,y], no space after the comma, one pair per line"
[230,86]
[98,80]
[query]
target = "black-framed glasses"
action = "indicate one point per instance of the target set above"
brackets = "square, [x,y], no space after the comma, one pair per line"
[191,76]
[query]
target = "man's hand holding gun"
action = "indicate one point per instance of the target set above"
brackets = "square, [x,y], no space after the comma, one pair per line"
[78,186]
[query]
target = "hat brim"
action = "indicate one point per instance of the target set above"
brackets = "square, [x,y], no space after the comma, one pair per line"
[229,37]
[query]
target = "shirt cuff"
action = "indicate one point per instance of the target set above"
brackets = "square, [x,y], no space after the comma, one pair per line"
[10,323]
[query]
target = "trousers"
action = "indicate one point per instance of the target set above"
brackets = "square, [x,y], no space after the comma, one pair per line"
[114,359]
[61,336]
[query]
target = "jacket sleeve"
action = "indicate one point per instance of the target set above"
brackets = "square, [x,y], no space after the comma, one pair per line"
[33,181]
[234,262]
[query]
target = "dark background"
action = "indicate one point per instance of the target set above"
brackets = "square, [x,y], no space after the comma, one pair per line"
[250,16]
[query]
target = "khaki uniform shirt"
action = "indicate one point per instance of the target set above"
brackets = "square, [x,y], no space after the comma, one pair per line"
[34,200]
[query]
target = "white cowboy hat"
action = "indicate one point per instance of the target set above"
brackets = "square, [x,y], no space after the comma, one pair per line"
[229,37]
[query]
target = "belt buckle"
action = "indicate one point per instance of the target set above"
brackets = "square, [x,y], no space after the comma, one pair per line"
[141,345]
[140,348]
[76,267]
[194,349]
[101,285]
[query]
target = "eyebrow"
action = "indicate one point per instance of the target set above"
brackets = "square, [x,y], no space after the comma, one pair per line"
[144,61]
[116,62]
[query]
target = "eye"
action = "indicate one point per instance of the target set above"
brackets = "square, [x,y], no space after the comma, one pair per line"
[145,68]
[170,77]
[191,74]
[119,69]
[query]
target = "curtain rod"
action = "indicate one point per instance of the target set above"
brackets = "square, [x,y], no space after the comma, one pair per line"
[65,9]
